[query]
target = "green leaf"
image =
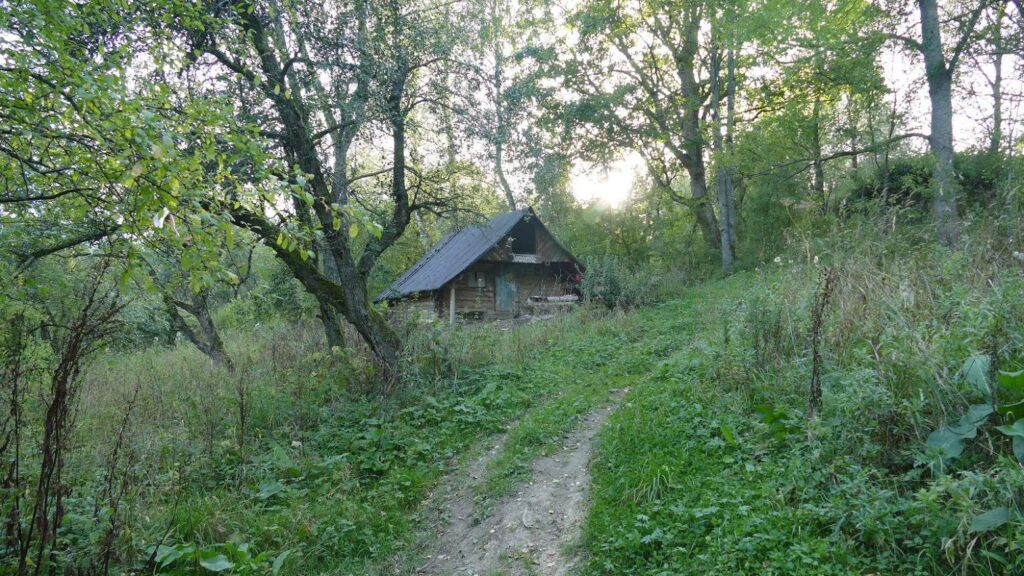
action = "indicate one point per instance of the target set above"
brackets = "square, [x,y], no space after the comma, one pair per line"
[976,415]
[1015,431]
[727,433]
[124,280]
[215,562]
[160,552]
[270,489]
[948,440]
[279,562]
[949,444]
[975,372]
[353,230]
[1012,381]
[1014,411]
[990,520]
[167,555]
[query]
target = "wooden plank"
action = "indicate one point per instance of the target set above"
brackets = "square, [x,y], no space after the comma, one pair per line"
[506,290]
[451,305]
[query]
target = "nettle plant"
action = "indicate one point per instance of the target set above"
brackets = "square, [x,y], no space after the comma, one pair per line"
[1003,402]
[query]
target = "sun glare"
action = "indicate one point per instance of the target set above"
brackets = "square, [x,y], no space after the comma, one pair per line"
[609,185]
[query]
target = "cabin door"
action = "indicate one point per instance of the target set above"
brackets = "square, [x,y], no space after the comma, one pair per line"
[505,291]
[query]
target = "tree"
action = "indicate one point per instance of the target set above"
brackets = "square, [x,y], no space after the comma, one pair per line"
[185,280]
[636,87]
[498,82]
[940,63]
[54,325]
[324,86]
[88,152]
[498,30]
[997,39]
[723,145]
[724,51]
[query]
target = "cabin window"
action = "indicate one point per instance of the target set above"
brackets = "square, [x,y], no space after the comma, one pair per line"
[524,238]
[476,279]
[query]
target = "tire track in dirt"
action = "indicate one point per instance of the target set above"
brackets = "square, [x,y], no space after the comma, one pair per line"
[532,531]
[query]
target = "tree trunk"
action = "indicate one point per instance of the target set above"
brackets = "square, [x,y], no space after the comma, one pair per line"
[501,127]
[730,123]
[693,139]
[817,163]
[332,327]
[214,344]
[499,169]
[724,170]
[996,138]
[328,314]
[703,208]
[347,293]
[207,340]
[371,325]
[854,158]
[940,84]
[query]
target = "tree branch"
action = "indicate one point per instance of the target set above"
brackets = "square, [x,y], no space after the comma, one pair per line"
[966,35]
[306,271]
[54,196]
[27,258]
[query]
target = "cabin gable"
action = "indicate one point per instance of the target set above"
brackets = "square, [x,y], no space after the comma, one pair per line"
[502,269]
[528,242]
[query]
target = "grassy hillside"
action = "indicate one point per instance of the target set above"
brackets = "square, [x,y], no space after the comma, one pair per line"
[710,464]
[287,466]
[712,467]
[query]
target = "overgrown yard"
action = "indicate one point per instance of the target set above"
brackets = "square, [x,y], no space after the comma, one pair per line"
[709,465]
[252,251]
[322,480]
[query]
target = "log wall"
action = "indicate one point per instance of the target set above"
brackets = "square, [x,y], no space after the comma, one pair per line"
[479,302]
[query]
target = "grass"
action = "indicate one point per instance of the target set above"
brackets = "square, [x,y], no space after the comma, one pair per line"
[708,465]
[321,478]
[695,474]
[586,372]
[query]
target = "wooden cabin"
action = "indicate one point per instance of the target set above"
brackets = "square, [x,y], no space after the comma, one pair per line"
[507,267]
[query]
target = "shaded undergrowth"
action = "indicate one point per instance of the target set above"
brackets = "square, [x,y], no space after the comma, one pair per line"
[287,466]
[711,465]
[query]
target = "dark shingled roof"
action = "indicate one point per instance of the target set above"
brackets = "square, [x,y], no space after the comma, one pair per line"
[449,257]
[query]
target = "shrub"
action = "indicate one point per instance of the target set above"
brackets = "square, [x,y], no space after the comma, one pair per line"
[610,282]
[908,180]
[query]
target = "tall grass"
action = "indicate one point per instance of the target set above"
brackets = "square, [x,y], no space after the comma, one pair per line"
[713,467]
[290,454]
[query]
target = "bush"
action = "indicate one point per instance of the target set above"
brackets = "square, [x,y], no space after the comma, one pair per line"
[908,180]
[610,282]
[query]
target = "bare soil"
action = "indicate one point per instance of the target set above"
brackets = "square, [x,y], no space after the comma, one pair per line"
[533,531]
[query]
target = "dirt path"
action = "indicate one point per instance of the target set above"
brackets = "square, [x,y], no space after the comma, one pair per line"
[534,530]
